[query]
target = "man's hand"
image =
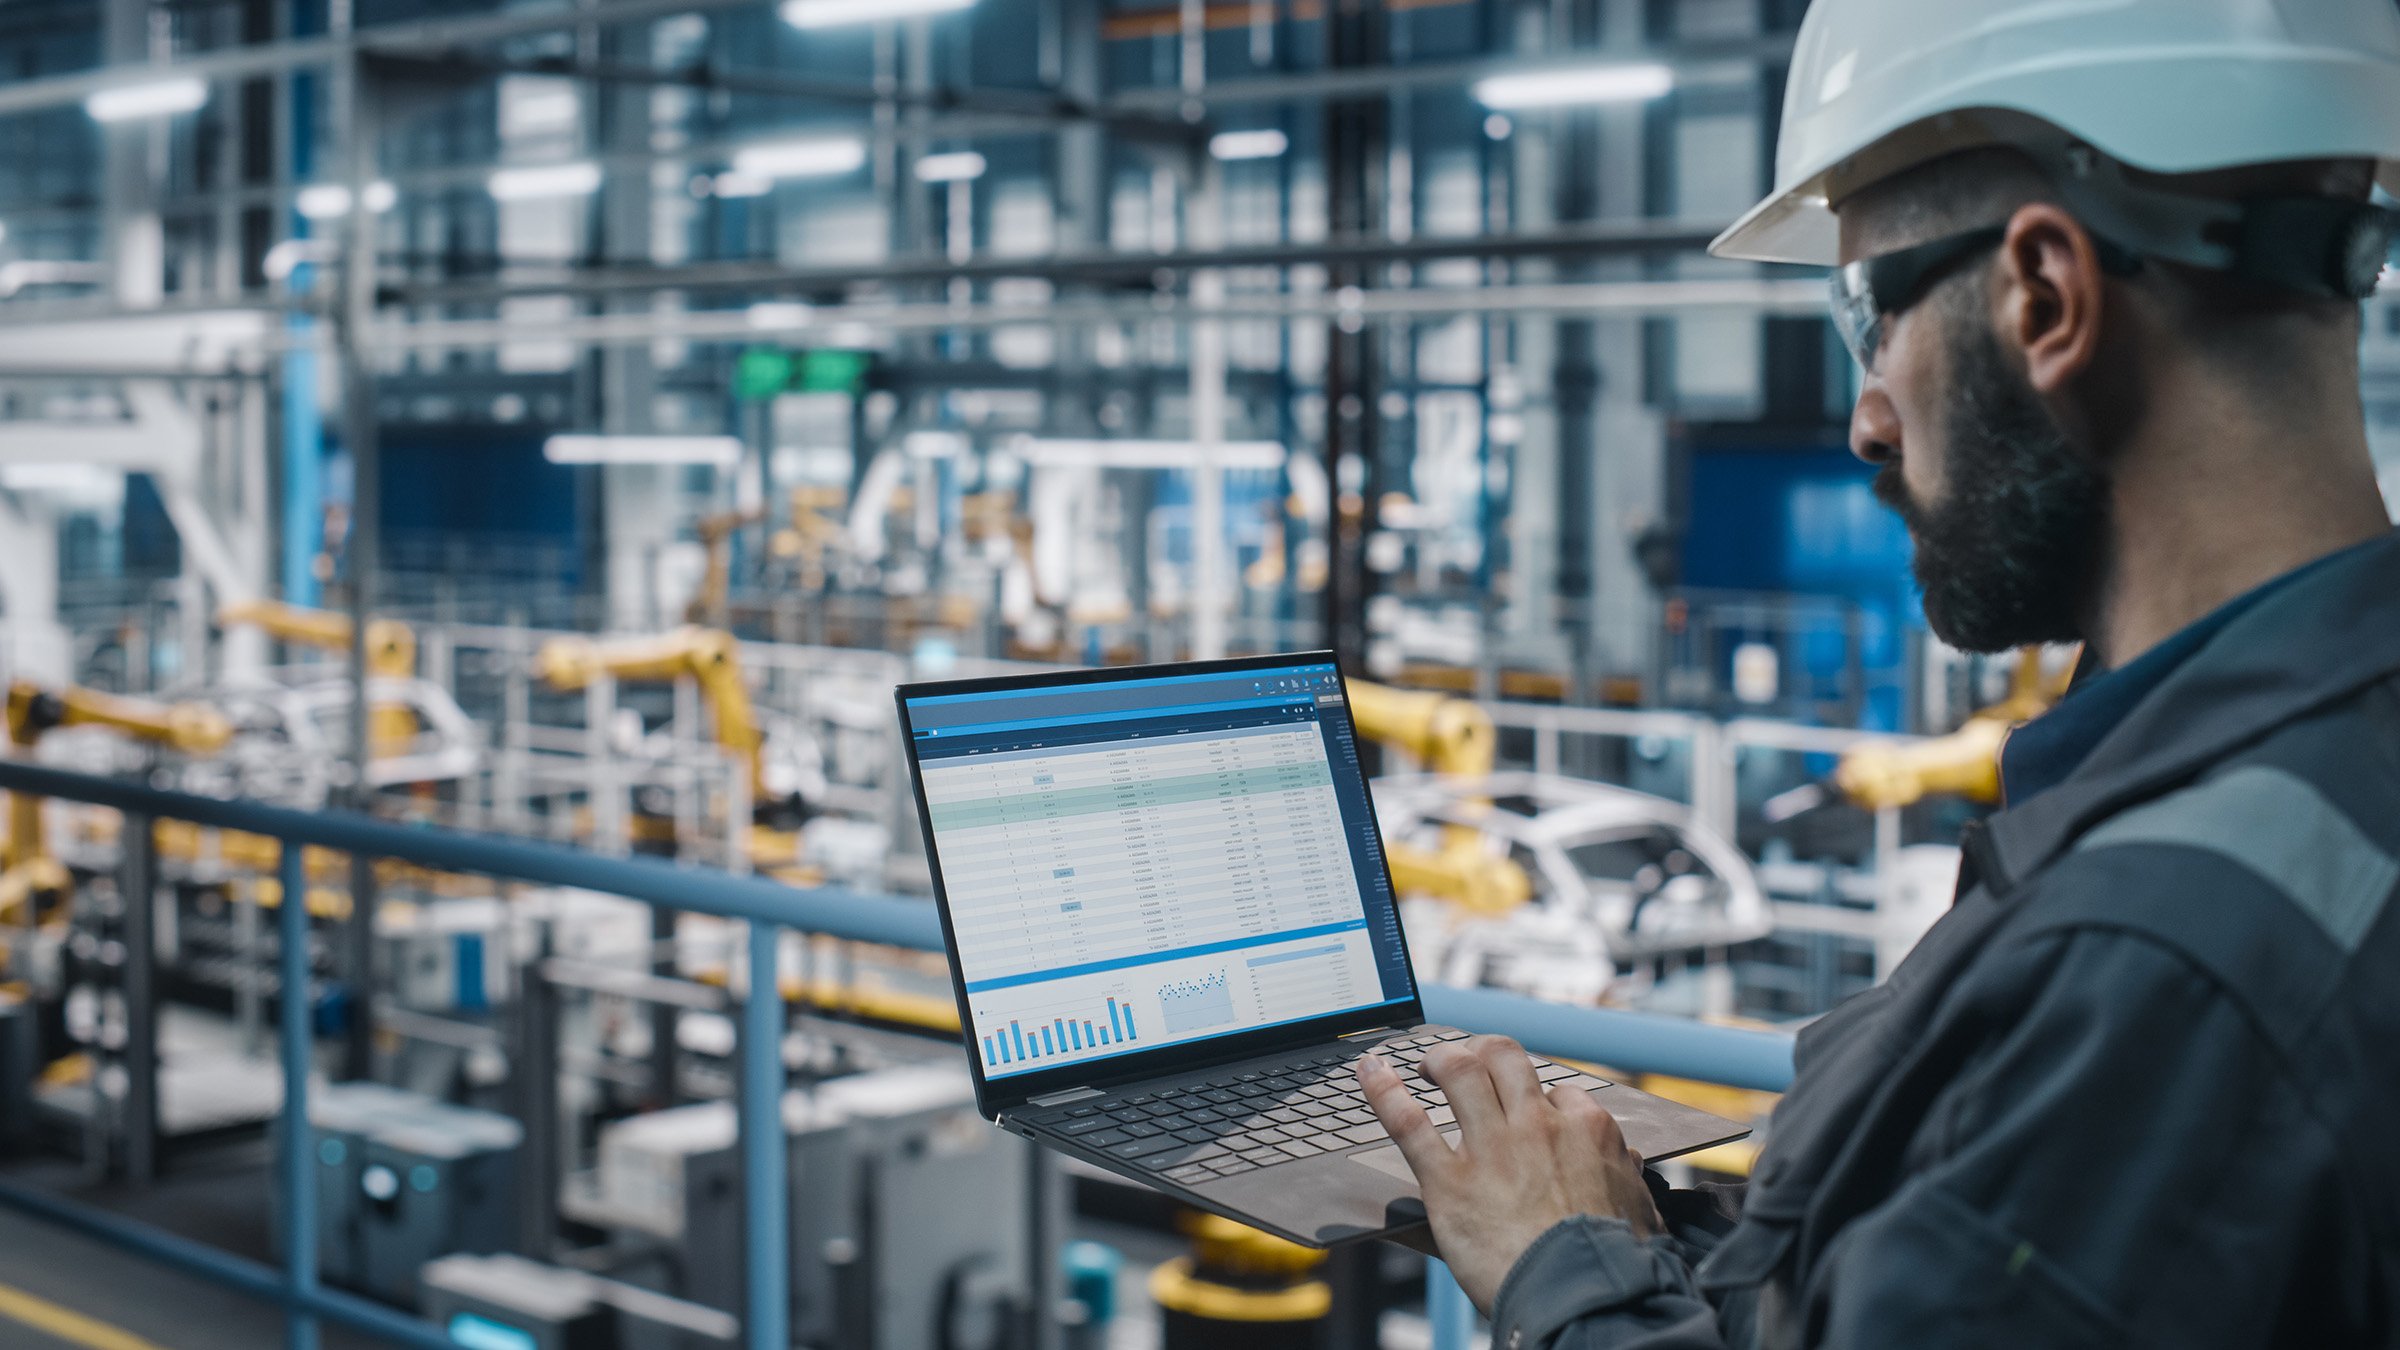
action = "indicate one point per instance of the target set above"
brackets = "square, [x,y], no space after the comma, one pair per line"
[1524,1161]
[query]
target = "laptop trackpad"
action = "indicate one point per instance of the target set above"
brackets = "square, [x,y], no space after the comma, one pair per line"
[1390,1160]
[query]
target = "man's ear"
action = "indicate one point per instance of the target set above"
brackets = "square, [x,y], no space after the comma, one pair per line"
[2049,290]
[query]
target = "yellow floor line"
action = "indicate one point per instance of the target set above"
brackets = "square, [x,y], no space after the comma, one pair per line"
[67,1324]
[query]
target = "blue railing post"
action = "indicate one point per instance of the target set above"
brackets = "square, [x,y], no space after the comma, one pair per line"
[296,1161]
[1447,1309]
[767,1195]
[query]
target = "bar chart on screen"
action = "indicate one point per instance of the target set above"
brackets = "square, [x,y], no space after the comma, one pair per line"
[1058,1033]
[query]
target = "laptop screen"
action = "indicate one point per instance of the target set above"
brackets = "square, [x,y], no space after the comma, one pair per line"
[1159,860]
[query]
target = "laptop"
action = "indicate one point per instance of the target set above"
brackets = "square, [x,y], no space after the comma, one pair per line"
[1172,931]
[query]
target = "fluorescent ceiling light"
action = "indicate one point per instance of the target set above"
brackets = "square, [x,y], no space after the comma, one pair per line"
[1146,454]
[779,315]
[161,98]
[836,13]
[819,158]
[958,166]
[531,181]
[81,480]
[934,445]
[1265,144]
[535,109]
[331,201]
[16,276]
[285,257]
[721,451]
[1566,88]
[730,184]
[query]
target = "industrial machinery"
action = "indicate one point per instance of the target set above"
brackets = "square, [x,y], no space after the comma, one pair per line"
[1240,1289]
[507,1300]
[711,660]
[403,1179]
[710,603]
[908,1214]
[291,742]
[31,870]
[391,655]
[1455,739]
[1965,763]
[1620,878]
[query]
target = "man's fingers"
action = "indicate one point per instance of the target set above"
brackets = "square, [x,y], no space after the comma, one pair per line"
[1405,1121]
[1513,1080]
[1458,1070]
[1590,1117]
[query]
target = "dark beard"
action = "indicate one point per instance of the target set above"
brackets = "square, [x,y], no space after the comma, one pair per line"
[2009,556]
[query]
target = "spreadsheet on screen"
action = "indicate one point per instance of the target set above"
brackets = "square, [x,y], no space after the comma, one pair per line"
[1138,863]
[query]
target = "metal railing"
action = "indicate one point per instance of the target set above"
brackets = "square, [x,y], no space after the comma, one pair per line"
[1632,1042]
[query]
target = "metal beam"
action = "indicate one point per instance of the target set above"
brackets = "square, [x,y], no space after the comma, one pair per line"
[769,277]
[1032,108]
[859,324]
[423,38]
[437,37]
[1693,61]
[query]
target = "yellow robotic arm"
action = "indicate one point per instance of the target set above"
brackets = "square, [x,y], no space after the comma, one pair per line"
[391,655]
[1965,763]
[1451,736]
[716,583]
[33,711]
[706,656]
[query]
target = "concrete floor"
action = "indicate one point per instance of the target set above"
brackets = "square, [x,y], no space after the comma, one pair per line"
[60,1291]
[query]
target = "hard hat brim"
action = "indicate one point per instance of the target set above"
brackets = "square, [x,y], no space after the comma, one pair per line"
[1789,227]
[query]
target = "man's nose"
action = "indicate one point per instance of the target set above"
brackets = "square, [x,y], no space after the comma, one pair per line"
[1874,425]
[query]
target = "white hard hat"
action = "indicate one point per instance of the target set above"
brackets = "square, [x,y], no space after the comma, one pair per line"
[2170,86]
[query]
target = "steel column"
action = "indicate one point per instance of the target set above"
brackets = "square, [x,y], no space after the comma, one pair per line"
[354,311]
[766,1203]
[534,1094]
[1355,136]
[295,1159]
[137,887]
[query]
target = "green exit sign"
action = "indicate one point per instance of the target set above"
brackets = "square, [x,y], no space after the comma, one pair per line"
[764,372]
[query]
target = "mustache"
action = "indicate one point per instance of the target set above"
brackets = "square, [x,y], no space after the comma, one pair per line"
[1892,490]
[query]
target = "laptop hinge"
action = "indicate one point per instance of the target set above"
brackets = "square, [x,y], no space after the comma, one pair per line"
[1370,1031]
[1057,1098]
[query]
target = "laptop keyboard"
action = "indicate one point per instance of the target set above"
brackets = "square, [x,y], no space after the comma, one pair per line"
[1261,1117]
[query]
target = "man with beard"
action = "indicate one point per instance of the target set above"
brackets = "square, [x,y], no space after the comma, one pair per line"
[2099,262]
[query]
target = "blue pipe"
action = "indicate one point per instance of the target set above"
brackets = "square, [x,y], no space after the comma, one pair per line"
[766,1207]
[294,1160]
[848,914]
[1632,1041]
[1636,1042]
[204,1262]
[303,461]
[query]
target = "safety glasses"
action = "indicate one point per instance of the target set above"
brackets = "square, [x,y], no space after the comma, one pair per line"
[1869,293]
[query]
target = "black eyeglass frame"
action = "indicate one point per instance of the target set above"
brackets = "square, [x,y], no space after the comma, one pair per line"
[1868,294]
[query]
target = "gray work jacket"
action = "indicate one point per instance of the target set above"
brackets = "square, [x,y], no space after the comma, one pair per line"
[2140,1087]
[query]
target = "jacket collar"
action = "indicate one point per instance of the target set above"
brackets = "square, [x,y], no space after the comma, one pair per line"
[2312,643]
